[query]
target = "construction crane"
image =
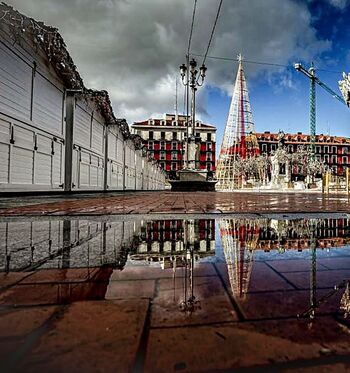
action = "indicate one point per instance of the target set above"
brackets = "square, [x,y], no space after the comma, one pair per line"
[311,74]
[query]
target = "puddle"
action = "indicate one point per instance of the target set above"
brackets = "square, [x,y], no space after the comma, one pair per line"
[221,270]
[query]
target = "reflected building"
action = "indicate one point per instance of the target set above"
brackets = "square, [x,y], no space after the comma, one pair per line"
[167,241]
[176,244]
[242,237]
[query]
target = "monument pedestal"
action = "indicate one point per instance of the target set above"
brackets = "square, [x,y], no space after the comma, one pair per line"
[192,180]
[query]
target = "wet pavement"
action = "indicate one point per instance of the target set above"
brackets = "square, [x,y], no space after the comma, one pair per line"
[166,202]
[111,293]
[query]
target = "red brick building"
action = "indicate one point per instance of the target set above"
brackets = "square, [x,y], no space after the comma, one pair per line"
[165,138]
[333,150]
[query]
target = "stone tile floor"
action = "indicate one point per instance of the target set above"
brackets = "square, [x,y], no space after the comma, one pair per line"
[101,318]
[110,320]
[166,202]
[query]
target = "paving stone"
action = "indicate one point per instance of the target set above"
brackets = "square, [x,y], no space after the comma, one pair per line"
[186,202]
[282,304]
[213,303]
[131,272]
[293,265]
[62,275]
[323,278]
[262,278]
[17,324]
[53,293]
[91,337]
[322,368]
[12,278]
[335,263]
[130,289]
[216,348]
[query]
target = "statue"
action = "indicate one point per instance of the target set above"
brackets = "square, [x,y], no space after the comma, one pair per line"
[192,153]
[287,178]
[344,86]
[275,169]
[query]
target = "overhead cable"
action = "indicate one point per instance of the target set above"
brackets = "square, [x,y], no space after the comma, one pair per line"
[192,24]
[212,31]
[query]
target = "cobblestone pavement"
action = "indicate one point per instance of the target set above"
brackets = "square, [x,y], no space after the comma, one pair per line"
[174,203]
[104,319]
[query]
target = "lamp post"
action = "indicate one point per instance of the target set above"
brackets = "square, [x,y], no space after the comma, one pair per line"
[191,78]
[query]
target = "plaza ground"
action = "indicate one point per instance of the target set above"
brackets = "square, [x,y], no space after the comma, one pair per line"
[111,319]
[167,202]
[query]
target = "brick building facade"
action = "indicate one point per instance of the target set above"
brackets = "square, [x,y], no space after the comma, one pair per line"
[332,150]
[165,138]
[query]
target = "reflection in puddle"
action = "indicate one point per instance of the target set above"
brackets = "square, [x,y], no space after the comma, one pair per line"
[256,260]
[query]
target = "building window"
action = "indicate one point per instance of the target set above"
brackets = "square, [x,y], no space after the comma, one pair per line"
[318,149]
[334,159]
[174,145]
[162,135]
[345,160]
[326,150]
[162,164]
[345,150]
[150,136]
[264,147]
[162,145]
[197,134]
[273,146]
[174,166]
[209,166]
[208,136]
[334,149]
[173,155]
[150,145]
[174,135]
[326,158]
[162,155]
[208,156]
[151,154]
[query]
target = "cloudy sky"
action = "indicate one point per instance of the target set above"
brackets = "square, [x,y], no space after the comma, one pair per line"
[133,48]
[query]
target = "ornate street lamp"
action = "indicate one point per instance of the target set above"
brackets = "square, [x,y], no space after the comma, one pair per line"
[192,78]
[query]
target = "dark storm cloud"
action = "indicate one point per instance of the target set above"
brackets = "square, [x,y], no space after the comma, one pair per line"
[133,48]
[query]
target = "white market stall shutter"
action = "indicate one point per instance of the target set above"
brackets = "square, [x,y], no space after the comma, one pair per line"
[22,157]
[82,127]
[42,160]
[15,85]
[57,164]
[5,129]
[47,105]
[97,136]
